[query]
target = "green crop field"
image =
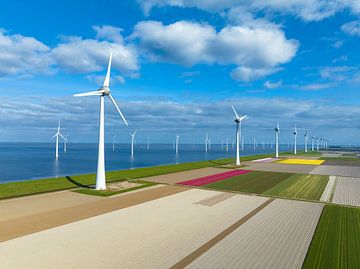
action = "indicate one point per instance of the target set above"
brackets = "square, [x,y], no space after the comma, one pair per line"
[300,186]
[254,182]
[336,242]
[285,185]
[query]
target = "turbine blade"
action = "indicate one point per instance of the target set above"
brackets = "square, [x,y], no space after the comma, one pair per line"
[54,136]
[62,136]
[89,93]
[107,78]
[118,109]
[243,118]
[236,115]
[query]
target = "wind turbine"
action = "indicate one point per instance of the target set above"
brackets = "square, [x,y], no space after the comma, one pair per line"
[312,143]
[227,144]
[295,135]
[148,144]
[66,142]
[238,121]
[206,142]
[177,144]
[277,131]
[306,141]
[102,92]
[254,144]
[317,143]
[132,142]
[113,146]
[57,135]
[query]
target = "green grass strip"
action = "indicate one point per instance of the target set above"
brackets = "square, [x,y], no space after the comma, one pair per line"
[28,187]
[253,182]
[336,242]
[144,184]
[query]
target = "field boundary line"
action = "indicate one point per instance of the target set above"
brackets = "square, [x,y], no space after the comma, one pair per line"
[205,247]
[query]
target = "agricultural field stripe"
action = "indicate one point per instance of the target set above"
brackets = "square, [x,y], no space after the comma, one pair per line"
[325,197]
[213,178]
[204,248]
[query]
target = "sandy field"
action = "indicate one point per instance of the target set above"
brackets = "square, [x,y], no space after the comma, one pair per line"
[335,170]
[347,191]
[172,178]
[155,234]
[58,211]
[276,237]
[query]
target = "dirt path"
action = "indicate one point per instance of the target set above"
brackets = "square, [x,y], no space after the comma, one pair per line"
[51,216]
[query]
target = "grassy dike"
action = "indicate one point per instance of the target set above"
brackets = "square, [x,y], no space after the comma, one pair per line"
[28,187]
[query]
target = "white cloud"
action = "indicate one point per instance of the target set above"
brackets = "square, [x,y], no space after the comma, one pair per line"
[316,86]
[182,42]
[256,51]
[308,10]
[243,73]
[23,55]
[109,32]
[272,85]
[352,28]
[91,55]
[36,118]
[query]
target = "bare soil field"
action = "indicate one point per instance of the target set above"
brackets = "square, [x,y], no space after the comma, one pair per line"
[347,191]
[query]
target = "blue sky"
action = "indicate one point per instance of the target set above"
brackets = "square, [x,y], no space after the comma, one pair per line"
[179,66]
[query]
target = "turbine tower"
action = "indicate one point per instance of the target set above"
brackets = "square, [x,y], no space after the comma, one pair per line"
[113,145]
[57,135]
[317,144]
[306,141]
[177,144]
[227,144]
[295,135]
[148,144]
[133,141]
[277,131]
[312,143]
[238,121]
[102,92]
[206,142]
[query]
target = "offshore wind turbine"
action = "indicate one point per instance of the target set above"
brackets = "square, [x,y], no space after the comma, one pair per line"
[295,135]
[102,92]
[227,144]
[238,121]
[277,131]
[133,141]
[113,145]
[148,144]
[66,142]
[306,141]
[57,135]
[317,143]
[177,143]
[312,143]
[206,142]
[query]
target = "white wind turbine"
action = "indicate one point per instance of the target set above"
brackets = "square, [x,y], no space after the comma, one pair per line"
[206,142]
[57,135]
[295,135]
[238,121]
[66,142]
[306,141]
[277,131]
[317,143]
[113,145]
[312,143]
[133,141]
[177,143]
[102,92]
[227,144]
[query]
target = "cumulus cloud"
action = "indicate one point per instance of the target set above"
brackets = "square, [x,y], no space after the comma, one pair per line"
[352,28]
[91,55]
[308,10]
[256,51]
[23,55]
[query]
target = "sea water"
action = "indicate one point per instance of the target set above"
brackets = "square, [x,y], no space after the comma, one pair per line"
[24,161]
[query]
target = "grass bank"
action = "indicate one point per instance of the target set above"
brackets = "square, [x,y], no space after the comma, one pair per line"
[28,187]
